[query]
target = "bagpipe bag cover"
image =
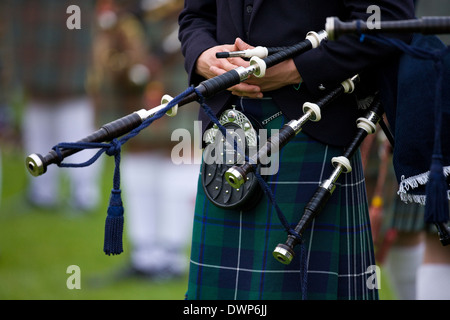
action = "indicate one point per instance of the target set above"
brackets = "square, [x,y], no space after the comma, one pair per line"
[415,120]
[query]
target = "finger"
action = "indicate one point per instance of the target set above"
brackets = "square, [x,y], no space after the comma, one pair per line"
[216,70]
[246,90]
[242,89]
[258,95]
[222,68]
[225,64]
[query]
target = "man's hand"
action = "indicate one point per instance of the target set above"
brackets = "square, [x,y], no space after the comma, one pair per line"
[280,75]
[209,66]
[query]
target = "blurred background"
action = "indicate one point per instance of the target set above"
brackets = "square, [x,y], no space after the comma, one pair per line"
[64,71]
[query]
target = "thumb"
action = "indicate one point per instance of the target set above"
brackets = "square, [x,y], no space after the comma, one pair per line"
[241,44]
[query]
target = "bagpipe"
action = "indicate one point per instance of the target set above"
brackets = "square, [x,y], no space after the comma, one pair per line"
[37,164]
[111,136]
[419,118]
[237,176]
[284,252]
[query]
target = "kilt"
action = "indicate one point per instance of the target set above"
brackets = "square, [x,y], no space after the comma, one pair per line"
[231,251]
[407,217]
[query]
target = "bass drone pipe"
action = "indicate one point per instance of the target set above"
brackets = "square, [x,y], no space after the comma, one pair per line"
[425,25]
[236,176]
[37,164]
[284,252]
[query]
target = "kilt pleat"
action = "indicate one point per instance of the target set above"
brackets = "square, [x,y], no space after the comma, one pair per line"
[231,251]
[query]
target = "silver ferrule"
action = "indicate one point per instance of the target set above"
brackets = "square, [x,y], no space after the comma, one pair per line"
[35,165]
[373,117]
[234,178]
[297,125]
[237,54]
[282,255]
[330,183]
[244,73]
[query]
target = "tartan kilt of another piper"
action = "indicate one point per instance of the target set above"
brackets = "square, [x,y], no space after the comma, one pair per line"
[231,252]
[407,217]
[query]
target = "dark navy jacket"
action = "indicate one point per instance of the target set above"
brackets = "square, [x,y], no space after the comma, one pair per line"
[207,23]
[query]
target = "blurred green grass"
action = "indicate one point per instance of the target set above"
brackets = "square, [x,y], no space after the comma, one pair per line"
[37,246]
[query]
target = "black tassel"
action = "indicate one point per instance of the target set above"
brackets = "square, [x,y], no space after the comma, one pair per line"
[114,225]
[436,206]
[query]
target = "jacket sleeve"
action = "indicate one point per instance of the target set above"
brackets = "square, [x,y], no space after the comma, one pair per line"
[337,60]
[197,32]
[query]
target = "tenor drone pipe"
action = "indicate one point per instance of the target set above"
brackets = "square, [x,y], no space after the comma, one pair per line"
[37,164]
[284,252]
[425,25]
[237,174]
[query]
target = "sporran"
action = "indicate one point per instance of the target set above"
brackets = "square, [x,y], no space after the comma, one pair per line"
[221,153]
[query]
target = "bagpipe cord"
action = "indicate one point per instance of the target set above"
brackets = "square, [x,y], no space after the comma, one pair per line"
[114,221]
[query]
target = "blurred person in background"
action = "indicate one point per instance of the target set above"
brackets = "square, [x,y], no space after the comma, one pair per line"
[52,48]
[396,226]
[9,133]
[416,263]
[132,70]
[433,273]
[3,120]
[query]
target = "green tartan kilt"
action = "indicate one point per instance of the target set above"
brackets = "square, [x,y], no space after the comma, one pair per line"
[231,252]
[408,217]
